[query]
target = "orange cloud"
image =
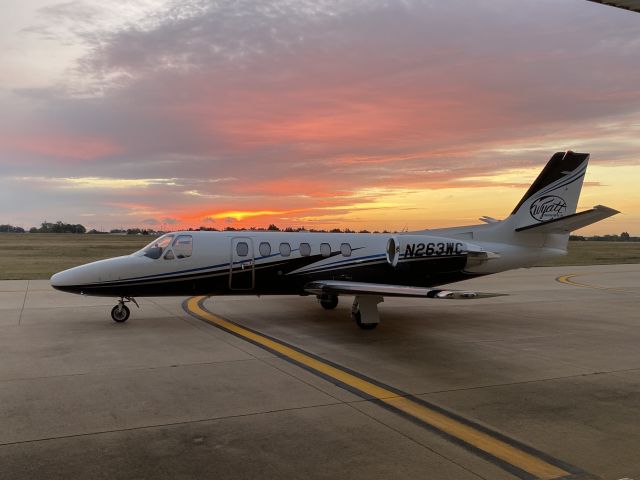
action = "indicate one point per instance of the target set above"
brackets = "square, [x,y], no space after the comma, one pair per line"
[242,215]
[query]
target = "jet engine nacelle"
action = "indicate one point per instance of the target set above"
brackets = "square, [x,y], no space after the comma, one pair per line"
[405,247]
[416,246]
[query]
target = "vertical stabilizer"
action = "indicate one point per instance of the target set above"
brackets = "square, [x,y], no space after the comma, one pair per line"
[555,192]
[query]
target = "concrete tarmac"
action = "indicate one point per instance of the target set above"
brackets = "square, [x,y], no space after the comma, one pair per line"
[553,365]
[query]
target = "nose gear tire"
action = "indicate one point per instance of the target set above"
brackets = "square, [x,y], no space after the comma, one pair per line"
[120,313]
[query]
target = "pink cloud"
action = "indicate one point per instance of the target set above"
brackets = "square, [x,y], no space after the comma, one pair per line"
[60,146]
[302,110]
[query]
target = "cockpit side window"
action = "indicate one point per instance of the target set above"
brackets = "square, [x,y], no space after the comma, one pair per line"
[156,248]
[183,246]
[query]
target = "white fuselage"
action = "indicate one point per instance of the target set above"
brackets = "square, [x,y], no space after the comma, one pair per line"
[258,262]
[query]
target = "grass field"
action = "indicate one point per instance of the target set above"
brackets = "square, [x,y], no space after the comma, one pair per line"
[598,253]
[40,255]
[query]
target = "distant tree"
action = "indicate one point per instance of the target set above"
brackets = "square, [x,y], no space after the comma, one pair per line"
[577,238]
[59,227]
[33,230]
[625,237]
[117,230]
[11,229]
[273,228]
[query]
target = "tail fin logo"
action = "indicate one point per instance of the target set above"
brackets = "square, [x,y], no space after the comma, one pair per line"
[548,208]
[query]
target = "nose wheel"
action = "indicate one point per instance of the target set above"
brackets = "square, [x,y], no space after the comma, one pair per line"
[120,313]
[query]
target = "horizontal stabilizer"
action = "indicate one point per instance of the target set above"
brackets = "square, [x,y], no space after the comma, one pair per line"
[570,223]
[338,287]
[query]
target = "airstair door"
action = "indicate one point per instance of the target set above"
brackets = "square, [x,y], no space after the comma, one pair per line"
[242,269]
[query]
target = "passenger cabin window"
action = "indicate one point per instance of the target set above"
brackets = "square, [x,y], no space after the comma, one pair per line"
[265,249]
[325,249]
[345,249]
[183,246]
[305,249]
[242,249]
[285,249]
[169,255]
[156,248]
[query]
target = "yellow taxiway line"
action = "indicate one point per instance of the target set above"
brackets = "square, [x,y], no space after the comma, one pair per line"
[517,458]
[568,280]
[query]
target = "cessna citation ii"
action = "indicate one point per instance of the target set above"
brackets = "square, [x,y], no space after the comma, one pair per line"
[367,266]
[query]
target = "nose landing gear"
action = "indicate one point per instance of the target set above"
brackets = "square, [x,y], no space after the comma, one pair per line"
[120,313]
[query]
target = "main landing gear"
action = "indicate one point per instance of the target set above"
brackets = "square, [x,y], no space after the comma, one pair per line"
[328,301]
[364,311]
[120,313]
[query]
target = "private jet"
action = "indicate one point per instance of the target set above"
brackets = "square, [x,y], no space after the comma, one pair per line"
[366,266]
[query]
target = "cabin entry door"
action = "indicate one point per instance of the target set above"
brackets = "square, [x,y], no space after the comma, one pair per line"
[242,275]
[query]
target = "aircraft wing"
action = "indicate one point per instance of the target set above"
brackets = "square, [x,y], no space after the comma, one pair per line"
[339,287]
[633,5]
[573,222]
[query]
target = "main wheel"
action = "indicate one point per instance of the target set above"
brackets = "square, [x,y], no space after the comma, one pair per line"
[329,302]
[120,313]
[358,319]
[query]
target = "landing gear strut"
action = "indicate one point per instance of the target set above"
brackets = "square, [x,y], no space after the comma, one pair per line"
[120,313]
[328,301]
[364,311]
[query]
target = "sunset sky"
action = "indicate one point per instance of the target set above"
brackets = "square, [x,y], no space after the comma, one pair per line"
[321,114]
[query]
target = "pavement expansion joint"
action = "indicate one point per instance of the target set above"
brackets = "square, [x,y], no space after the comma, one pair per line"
[112,372]
[24,301]
[170,424]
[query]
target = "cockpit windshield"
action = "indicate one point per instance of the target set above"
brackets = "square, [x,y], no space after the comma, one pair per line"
[156,248]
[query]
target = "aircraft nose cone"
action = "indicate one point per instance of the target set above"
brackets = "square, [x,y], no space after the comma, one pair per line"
[64,281]
[85,277]
[57,279]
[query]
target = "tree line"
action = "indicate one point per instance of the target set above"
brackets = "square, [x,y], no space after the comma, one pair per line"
[623,237]
[62,227]
[46,227]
